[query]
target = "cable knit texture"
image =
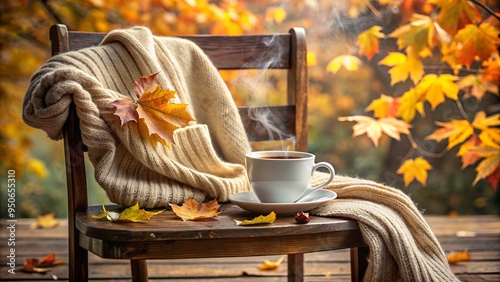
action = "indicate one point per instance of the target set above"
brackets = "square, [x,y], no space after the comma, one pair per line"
[402,245]
[207,158]
[127,166]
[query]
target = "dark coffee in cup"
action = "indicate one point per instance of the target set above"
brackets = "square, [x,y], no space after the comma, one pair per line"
[281,157]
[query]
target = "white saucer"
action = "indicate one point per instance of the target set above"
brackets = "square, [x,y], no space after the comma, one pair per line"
[248,201]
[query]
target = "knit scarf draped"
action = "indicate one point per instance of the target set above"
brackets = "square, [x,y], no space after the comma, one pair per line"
[207,158]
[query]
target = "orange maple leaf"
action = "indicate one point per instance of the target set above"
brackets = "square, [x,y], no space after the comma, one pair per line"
[32,265]
[193,210]
[434,88]
[469,156]
[455,14]
[368,41]
[403,67]
[374,128]
[455,257]
[490,163]
[491,73]
[414,169]
[473,42]
[385,106]
[158,118]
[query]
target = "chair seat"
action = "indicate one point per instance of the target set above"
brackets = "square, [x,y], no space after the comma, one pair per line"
[166,236]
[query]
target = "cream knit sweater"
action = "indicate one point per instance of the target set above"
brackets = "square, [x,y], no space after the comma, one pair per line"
[207,158]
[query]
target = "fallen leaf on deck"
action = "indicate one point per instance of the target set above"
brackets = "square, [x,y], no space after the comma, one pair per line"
[455,257]
[33,265]
[271,265]
[130,214]
[270,218]
[45,222]
[193,210]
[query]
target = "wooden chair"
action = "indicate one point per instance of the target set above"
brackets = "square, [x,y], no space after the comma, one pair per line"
[167,237]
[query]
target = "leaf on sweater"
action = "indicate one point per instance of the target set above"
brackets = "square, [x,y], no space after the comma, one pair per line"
[261,219]
[158,118]
[193,210]
[455,257]
[131,214]
[414,169]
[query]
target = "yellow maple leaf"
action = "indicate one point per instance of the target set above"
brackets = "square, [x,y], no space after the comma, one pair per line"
[403,66]
[271,265]
[276,14]
[374,128]
[261,219]
[414,169]
[457,131]
[385,106]
[45,221]
[349,62]
[421,34]
[193,210]
[455,14]
[368,41]
[130,214]
[434,88]
[490,133]
[410,103]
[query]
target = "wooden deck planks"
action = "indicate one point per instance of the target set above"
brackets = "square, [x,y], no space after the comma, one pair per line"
[480,235]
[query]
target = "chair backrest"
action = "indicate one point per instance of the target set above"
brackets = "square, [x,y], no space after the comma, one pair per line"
[226,53]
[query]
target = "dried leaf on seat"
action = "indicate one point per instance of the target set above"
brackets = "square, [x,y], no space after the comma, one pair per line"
[261,219]
[193,210]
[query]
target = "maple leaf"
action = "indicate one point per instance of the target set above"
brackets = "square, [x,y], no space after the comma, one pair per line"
[157,117]
[130,214]
[45,221]
[455,257]
[33,265]
[276,14]
[434,88]
[271,265]
[349,62]
[469,156]
[414,169]
[410,103]
[193,210]
[476,86]
[261,219]
[473,42]
[421,34]
[457,131]
[455,14]
[490,134]
[368,41]
[385,106]
[375,127]
[403,67]
[491,73]
[490,163]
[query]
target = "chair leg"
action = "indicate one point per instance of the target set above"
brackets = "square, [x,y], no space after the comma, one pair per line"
[295,267]
[78,258]
[359,263]
[139,268]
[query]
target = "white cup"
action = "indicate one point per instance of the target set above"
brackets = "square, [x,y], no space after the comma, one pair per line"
[283,176]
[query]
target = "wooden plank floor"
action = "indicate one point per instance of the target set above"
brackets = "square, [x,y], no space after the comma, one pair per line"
[479,235]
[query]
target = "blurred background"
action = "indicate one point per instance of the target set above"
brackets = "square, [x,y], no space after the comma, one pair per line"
[331,29]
